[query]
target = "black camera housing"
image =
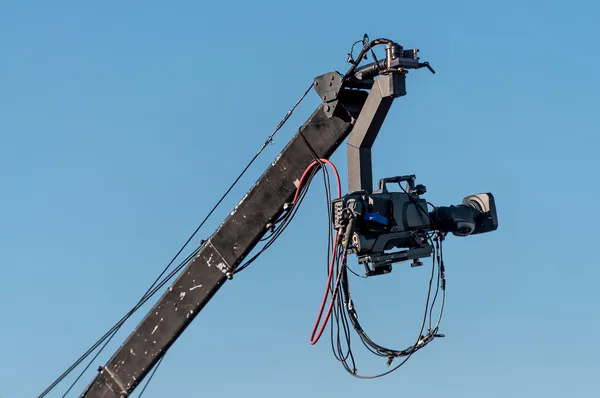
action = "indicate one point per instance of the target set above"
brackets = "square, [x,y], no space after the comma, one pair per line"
[400,220]
[486,218]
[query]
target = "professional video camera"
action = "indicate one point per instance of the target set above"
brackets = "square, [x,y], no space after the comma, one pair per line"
[378,222]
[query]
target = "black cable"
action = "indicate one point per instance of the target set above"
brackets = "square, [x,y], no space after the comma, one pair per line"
[441,283]
[343,301]
[338,311]
[286,220]
[151,376]
[341,315]
[410,197]
[364,50]
[351,53]
[337,308]
[375,59]
[382,351]
[416,345]
[267,142]
[442,271]
[94,346]
[113,329]
[344,308]
[112,332]
[364,41]
[340,322]
[356,273]
[90,362]
[439,278]
[369,344]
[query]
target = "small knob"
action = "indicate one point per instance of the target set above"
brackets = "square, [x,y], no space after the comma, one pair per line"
[416,263]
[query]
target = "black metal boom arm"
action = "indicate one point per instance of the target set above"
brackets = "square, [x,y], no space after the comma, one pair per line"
[224,250]
[344,110]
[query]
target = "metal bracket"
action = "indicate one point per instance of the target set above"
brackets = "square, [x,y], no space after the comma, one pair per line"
[382,263]
[329,86]
[112,379]
[385,89]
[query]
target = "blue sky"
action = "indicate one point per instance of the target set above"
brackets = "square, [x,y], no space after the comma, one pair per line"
[121,125]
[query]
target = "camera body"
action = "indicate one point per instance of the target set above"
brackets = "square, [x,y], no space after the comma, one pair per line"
[384,221]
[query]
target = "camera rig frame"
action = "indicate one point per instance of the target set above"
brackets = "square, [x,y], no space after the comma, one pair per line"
[410,232]
[390,84]
[354,106]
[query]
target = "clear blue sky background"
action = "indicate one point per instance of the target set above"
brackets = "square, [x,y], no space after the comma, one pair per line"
[121,125]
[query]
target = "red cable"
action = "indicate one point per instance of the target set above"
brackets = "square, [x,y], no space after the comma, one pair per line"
[308,169]
[313,339]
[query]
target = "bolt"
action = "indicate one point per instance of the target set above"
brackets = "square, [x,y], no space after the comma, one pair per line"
[327,108]
[332,77]
[316,83]
[331,83]
[324,97]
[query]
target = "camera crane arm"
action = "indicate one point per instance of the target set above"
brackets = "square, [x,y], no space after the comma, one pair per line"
[347,107]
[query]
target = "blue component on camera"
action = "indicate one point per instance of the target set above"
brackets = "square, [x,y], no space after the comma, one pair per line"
[376,217]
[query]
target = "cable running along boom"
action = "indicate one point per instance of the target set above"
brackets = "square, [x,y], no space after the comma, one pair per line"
[162,280]
[378,227]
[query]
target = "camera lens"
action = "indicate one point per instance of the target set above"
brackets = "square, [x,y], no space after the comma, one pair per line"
[479,202]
